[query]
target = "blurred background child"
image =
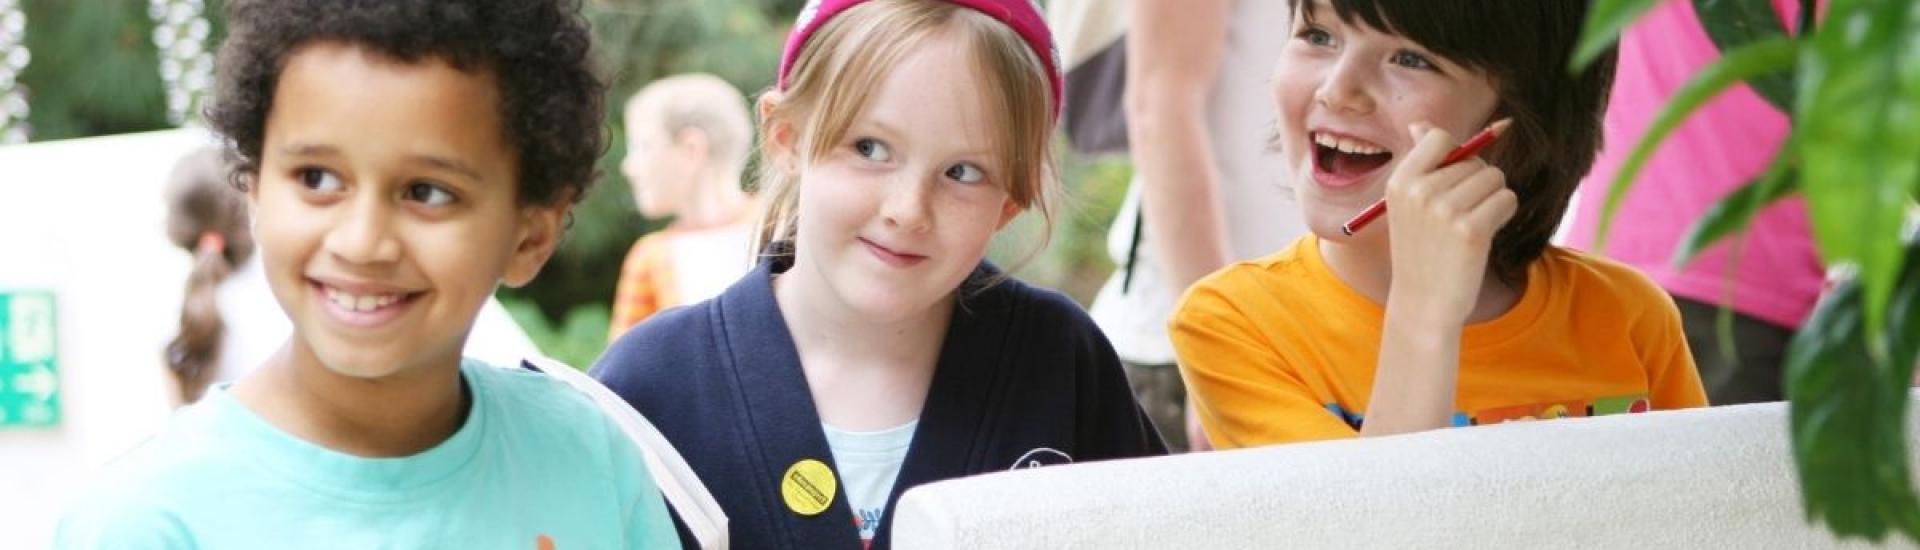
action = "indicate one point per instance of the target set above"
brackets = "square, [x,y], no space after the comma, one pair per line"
[687,138]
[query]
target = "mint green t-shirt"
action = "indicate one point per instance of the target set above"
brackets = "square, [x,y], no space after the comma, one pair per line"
[535,466]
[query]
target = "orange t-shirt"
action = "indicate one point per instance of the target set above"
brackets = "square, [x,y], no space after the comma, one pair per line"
[1279,350]
[647,283]
[679,266]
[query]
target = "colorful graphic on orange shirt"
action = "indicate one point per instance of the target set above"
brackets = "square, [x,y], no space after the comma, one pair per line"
[1356,420]
[1537,411]
[1554,410]
[1621,405]
[1551,410]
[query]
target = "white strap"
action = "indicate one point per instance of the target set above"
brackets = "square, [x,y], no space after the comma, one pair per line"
[677,481]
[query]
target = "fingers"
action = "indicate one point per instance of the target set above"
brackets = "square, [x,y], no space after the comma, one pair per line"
[1456,193]
[1474,188]
[1430,146]
[1487,217]
[1469,195]
[1428,187]
[1478,201]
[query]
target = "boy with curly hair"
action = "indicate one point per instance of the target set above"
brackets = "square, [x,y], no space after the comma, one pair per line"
[402,159]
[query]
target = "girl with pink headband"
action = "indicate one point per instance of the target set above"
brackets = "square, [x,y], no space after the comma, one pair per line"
[874,348]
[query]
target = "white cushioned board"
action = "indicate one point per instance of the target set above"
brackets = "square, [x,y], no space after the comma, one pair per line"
[1708,478]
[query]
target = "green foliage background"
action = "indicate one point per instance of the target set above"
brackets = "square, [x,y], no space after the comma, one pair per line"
[1850,80]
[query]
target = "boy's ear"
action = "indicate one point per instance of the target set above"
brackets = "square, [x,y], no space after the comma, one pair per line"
[694,141]
[781,140]
[252,183]
[541,228]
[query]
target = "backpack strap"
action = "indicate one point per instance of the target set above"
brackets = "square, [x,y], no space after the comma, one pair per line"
[691,501]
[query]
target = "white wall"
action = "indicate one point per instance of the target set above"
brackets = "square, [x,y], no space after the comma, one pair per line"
[85,219]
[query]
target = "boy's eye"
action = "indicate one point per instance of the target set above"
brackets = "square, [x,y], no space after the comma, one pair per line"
[428,194]
[318,180]
[1412,60]
[965,173]
[1316,36]
[872,149]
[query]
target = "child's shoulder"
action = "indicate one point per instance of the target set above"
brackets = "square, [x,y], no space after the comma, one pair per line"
[1053,324]
[544,415]
[1596,292]
[659,349]
[1026,304]
[669,329]
[1594,282]
[1296,267]
[145,495]
[522,391]
[122,511]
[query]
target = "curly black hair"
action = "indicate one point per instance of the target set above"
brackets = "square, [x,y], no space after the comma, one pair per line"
[538,51]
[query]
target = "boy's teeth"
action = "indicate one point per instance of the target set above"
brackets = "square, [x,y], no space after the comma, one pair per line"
[358,303]
[1346,145]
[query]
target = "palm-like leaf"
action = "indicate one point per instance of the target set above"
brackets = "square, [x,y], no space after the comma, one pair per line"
[1855,155]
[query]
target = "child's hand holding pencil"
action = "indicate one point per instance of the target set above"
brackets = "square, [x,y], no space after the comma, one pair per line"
[1447,206]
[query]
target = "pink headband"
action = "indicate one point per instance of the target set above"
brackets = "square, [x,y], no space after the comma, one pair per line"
[1020,15]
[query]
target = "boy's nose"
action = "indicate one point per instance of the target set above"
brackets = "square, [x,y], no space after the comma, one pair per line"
[1344,89]
[363,234]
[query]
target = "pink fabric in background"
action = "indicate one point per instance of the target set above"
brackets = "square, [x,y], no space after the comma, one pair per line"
[1722,146]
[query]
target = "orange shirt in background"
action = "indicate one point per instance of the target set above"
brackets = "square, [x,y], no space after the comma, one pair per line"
[679,266]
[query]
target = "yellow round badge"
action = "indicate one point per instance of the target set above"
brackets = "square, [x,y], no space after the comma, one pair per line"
[808,487]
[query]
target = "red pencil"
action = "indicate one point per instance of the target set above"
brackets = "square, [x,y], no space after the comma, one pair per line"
[1470,148]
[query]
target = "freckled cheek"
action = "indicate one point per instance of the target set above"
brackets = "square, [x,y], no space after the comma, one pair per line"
[971,221]
[838,202]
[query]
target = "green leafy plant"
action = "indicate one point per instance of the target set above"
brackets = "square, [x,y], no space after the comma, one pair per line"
[1851,83]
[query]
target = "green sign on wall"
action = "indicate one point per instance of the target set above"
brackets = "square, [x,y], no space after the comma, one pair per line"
[29,385]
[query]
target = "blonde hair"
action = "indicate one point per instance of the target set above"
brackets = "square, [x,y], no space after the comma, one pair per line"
[697,101]
[846,59]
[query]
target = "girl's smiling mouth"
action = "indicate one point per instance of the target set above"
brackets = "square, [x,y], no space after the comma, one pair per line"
[892,256]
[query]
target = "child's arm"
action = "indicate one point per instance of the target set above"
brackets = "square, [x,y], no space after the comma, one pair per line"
[1174,49]
[1443,222]
[1242,389]
[1115,425]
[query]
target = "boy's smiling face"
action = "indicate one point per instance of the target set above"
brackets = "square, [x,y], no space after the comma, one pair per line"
[386,208]
[1345,96]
